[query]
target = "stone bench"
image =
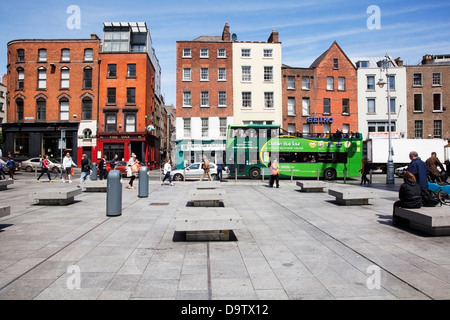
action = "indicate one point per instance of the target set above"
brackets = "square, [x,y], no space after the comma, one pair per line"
[5,211]
[431,220]
[95,186]
[5,183]
[207,185]
[55,197]
[347,195]
[207,197]
[312,186]
[207,223]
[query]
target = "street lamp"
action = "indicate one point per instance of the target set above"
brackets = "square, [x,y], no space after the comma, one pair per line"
[390,163]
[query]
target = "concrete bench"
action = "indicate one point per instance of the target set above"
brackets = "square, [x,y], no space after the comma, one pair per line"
[207,185]
[207,223]
[347,195]
[207,197]
[312,186]
[5,211]
[95,186]
[55,197]
[431,220]
[5,183]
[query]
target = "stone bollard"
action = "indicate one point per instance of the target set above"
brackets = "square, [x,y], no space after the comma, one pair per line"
[143,182]
[114,194]
[94,171]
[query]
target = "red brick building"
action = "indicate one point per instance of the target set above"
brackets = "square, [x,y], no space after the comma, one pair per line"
[52,88]
[323,97]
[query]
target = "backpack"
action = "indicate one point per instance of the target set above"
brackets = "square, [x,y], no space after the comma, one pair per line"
[429,198]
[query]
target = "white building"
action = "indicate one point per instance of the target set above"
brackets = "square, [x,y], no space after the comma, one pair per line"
[372,100]
[3,90]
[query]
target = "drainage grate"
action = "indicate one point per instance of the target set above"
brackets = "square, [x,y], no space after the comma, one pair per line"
[159,204]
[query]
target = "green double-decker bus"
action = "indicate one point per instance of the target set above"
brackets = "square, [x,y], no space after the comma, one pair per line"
[250,149]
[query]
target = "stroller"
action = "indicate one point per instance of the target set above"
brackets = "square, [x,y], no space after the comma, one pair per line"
[442,191]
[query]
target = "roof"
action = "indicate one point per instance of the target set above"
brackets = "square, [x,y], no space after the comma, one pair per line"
[316,62]
[209,39]
[374,62]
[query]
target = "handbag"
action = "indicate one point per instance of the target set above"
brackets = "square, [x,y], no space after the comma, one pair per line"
[134,168]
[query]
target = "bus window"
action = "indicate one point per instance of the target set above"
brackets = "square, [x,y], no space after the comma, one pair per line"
[251,133]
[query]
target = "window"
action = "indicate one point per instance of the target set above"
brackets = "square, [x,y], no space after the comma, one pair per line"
[268,53]
[381,126]
[341,83]
[223,127]
[437,102]
[222,74]
[371,108]
[204,74]
[88,55]
[246,73]
[370,82]
[204,53]
[268,100]
[417,79]
[65,78]
[204,99]
[305,83]
[87,134]
[222,98]
[326,106]
[187,53]
[306,128]
[336,63]
[418,129]
[87,78]
[20,79]
[392,82]
[131,70]
[291,106]
[291,83]
[305,107]
[86,109]
[41,109]
[363,64]
[268,74]
[187,99]
[19,109]
[437,128]
[418,106]
[20,55]
[291,128]
[130,122]
[187,74]
[111,122]
[187,127]
[42,78]
[205,127]
[65,55]
[131,96]
[330,83]
[392,105]
[437,79]
[221,53]
[345,106]
[245,53]
[112,71]
[111,96]
[42,55]
[64,109]
[246,99]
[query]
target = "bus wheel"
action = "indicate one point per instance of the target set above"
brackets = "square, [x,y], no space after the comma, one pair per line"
[329,174]
[255,173]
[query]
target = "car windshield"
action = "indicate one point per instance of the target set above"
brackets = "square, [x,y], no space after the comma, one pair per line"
[53,160]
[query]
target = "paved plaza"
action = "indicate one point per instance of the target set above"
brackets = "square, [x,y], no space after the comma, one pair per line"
[291,245]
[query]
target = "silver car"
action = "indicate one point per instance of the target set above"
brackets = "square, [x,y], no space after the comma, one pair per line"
[399,171]
[33,164]
[195,171]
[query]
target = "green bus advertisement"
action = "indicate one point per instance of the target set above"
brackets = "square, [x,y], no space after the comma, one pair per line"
[250,149]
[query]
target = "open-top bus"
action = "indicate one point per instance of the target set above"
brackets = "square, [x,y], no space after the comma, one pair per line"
[250,148]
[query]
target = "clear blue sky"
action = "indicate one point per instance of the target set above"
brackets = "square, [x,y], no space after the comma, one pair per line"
[408,28]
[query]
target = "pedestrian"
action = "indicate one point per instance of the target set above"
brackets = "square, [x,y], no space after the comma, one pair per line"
[435,175]
[167,170]
[11,167]
[132,170]
[419,169]
[274,173]
[206,166]
[2,173]
[114,162]
[219,169]
[85,169]
[409,194]
[102,168]
[365,170]
[45,168]
[67,167]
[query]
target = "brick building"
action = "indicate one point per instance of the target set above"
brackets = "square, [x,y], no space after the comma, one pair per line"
[428,85]
[52,88]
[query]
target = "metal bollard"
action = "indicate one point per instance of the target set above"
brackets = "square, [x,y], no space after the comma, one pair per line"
[94,171]
[143,182]
[114,194]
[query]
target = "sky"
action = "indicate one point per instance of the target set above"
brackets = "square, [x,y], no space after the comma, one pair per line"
[407,29]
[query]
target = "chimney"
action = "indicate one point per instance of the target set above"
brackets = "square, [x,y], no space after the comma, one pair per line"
[94,36]
[273,37]
[427,59]
[226,33]
[399,62]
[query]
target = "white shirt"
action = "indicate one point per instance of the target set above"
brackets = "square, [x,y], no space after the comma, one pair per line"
[167,168]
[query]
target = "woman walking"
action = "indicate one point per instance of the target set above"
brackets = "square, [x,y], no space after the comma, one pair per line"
[132,170]
[45,168]
[167,170]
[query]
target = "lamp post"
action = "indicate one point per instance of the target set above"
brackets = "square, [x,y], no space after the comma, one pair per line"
[390,163]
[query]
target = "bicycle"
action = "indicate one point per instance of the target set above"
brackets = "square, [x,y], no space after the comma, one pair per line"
[442,191]
[56,173]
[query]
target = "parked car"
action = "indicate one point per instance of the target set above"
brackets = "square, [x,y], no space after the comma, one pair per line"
[195,171]
[34,164]
[399,171]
